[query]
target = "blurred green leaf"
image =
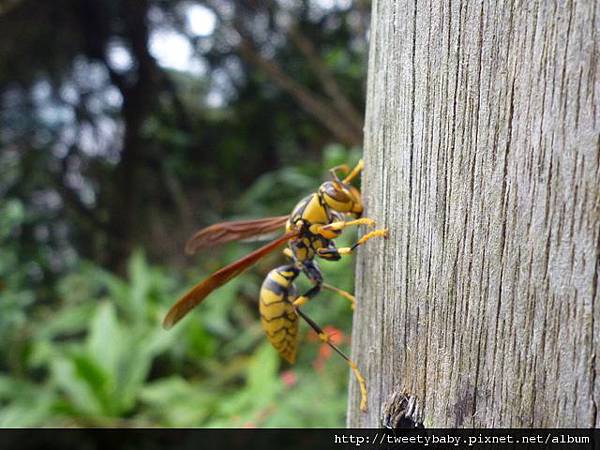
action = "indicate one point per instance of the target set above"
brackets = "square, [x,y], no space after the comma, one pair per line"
[69,320]
[12,214]
[81,382]
[105,341]
[99,355]
[140,284]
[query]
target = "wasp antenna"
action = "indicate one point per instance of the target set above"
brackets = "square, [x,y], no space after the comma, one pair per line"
[333,171]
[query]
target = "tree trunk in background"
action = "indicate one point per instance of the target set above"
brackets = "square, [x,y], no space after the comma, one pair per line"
[482,154]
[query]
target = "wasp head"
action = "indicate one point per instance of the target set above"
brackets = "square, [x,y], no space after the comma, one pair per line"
[341,197]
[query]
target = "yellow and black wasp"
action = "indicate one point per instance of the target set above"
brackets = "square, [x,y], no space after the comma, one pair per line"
[309,231]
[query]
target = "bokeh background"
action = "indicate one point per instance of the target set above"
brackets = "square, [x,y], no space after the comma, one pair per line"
[125,125]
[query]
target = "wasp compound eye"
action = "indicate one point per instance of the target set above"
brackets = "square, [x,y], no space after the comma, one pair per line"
[336,191]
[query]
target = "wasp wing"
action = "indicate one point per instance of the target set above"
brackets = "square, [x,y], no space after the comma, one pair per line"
[218,279]
[221,233]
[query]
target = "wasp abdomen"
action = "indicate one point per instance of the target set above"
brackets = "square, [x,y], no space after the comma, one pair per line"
[277,315]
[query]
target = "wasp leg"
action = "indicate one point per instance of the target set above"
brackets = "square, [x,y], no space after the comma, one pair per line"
[357,169]
[376,233]
[327,339]
[326,230]
[308,294]
[302,299]
[313,273]
[343,293]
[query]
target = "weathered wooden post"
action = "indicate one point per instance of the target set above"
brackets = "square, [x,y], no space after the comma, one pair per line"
[482,154]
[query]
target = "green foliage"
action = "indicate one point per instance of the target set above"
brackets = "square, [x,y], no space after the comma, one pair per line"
[111,157]
[97,355]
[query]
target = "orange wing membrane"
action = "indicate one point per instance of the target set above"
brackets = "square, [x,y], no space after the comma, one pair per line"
[221,233]
[218,279]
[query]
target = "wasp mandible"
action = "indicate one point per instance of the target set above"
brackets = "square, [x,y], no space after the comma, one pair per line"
[309,231]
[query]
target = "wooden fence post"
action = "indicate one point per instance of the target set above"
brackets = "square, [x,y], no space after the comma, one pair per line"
[482,152]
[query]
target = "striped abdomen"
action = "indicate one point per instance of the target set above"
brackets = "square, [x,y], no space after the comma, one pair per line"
[277,315]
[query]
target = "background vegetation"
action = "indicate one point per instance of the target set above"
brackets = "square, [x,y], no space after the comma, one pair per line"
[126,125]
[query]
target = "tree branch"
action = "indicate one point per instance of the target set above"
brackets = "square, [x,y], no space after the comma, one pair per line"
[310,102]
[313,104]
[328,82]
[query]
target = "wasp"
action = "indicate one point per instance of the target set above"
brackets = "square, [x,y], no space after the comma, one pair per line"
[310,230]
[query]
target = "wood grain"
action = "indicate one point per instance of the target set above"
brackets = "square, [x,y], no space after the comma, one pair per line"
[482,152]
